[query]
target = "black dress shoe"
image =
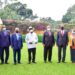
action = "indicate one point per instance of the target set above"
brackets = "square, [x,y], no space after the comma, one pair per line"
[34,62]
[58,62]
[63,62]
[6,63]
[29,62]
[50,61]
[2,62]
[19,63]
[15,63]
[44,61]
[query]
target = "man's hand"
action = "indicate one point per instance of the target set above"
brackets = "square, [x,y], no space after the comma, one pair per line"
[30,43]
[43,44]
[11,46]
[35,42]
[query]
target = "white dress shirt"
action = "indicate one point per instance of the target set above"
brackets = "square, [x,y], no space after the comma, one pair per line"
[31,37]
[17,35]
[62,31]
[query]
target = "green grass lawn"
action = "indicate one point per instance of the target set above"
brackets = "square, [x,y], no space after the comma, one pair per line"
[40,68]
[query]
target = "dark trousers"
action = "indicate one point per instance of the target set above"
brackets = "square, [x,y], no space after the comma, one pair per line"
[72,51]
[17,53]
[48,52]
[6,49]
[60,55]
[0,52]
[31,54]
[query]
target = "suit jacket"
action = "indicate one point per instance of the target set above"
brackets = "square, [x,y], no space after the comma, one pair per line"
[0,40]
[62,40]
[4,39]
[16,43]
[48,40]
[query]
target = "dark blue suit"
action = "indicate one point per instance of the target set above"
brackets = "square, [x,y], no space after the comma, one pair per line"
[17,45]
[0,45]
[48,41]
[5,43]
[62,42]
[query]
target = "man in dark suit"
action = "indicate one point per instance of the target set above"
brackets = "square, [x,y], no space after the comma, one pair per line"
[0,44]
[5,43]
[48,42]
[62,42]
[17,44]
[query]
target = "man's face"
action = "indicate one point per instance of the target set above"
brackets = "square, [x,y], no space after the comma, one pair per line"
[4,28]
[17,31]
[48,29]
[62,28]
[73,32]
[31,31]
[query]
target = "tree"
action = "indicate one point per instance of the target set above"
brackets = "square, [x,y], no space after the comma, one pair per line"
[6,1]
[49,20]
[16,11]
[70,15]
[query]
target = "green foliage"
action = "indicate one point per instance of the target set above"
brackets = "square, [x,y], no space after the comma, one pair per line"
[69,17]
[40,37]
[7,14]
[50,21]
[15,11]
[23,38]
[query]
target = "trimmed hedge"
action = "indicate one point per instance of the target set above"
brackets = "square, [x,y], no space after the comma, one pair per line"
[23,38]
[39,38]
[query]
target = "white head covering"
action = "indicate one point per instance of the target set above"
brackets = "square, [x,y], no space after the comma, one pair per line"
[30,28]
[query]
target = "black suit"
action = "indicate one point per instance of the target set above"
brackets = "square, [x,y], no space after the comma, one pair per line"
[62,42]
[48,41]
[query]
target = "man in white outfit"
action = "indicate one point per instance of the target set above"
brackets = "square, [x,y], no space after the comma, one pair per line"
[31,40]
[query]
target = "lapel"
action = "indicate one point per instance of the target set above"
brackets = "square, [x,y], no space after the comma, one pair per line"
[15,36]
[49,34]
[61,33]
[18,35]
[73,40]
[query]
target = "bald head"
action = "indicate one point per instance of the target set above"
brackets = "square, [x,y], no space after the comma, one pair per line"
[17,30]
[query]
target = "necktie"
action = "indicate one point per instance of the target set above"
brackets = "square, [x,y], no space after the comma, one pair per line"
[49,33]
[62,33]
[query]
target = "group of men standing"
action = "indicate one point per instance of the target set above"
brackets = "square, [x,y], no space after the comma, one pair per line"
[49,42]
[15,40]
